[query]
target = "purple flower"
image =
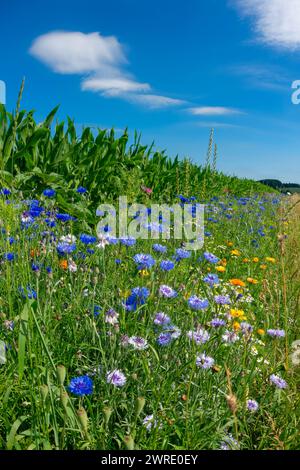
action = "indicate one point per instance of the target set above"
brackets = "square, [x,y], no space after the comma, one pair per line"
[200,336]
[167,265]
[222,300]
[167,291]
[211,279]
[278,381]
[252,405]
[144,261]
[246,328]
[149,422]
[111,317]
[116,378]
[198,304]
[204,361]
[138,343]
[276,333]
[210,257]
[81,386]
[217,322]
[164,339]
[161,319]
[229,443]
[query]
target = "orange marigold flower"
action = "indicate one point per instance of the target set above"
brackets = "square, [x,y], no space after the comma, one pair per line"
[237,282]
[223,262]
[260,331]
[255,260]
[63,264]
[246,260]
[252,281]
[229,244]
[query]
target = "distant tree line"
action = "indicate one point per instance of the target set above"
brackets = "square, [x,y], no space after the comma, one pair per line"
[276,184]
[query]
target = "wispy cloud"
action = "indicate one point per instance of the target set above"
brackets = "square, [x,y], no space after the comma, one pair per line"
[213,111]
[266,77]
[102,60]
[276,22]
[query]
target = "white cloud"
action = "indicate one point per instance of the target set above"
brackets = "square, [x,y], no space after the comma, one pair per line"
[75,52]
[213,111]
[113,86]
[266,77]
[154,101]
[102,59]
[276,22]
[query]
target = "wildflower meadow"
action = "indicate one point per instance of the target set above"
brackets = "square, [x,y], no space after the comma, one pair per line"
[110,342]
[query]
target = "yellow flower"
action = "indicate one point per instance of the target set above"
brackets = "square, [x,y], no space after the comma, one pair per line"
[263,266]
[237,282]
[235,313]
[246,260]
[221,269]
[255,260]
[208,269]
[260,331]
[235,253]
[223,262]
[144,273]
[252,281]
[236,326]
[270,260]
[229,244]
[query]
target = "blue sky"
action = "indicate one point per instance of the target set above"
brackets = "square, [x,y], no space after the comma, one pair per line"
[170,69]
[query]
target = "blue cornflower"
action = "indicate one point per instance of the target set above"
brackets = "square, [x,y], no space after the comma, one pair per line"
[159,248]
[161,319]
[118,261]
[64,248]
[144,261]
[35,267]
[81,386]
[137,297]
[164,339]
[28,292]
[198,304]
[128,241]
[50,222]
[87,239]
[64,217]
[167,265]
[11,240]
[167,291]
[211,279]
[9,256]
[5,192]
[210,257]
[49,192]
[97,310]
[182,254]
[49,269]
[81,190]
